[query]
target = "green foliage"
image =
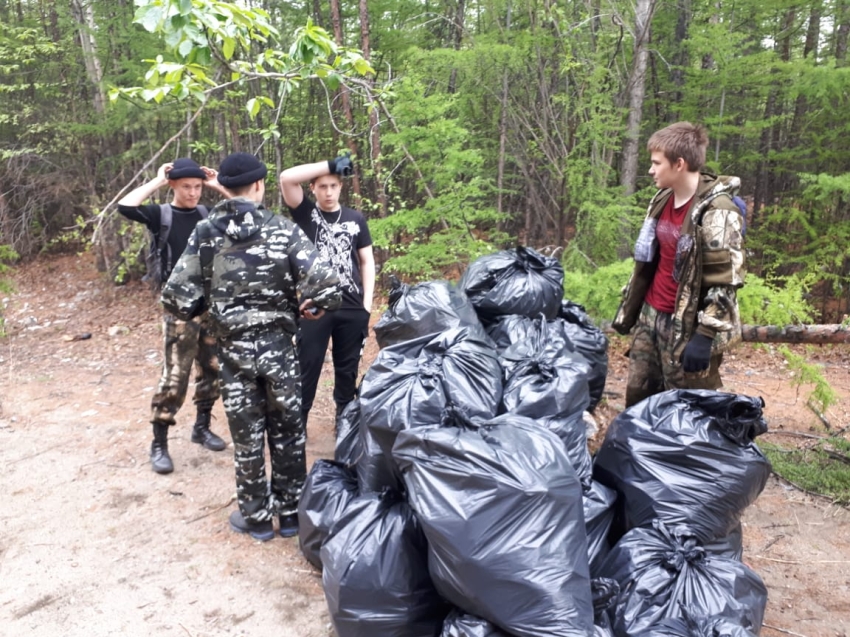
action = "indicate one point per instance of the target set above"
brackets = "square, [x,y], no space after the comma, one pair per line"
[823,468]
[136,242]
[599,291]
[205,37]
[822,396]
[7,256]
[76,237]
[450,222]
[809,238]
[763,302]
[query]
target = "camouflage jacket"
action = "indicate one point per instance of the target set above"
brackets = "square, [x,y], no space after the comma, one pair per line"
[710,268]
[248,266]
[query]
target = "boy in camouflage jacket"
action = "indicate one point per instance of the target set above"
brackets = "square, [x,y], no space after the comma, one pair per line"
[681,298]
[249,266]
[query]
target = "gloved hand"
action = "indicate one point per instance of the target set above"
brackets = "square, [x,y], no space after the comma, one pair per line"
[341,166]
[697,354]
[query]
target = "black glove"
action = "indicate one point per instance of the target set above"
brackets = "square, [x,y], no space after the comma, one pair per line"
[341,166]
[697,353]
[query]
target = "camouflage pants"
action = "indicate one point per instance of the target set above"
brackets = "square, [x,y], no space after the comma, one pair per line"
[652,368]
[261,390]
[187,343]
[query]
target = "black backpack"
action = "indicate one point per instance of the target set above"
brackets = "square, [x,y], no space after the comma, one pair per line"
[159,258]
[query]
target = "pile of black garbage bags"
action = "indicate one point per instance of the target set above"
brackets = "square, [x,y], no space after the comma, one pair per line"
[463,501]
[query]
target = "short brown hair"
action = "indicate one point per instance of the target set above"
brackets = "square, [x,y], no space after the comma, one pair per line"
[682,139]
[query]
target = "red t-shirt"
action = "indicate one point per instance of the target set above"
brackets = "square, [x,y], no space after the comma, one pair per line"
[662,291]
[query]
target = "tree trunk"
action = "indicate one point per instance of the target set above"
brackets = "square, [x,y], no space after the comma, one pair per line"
[84,15]
[842,19]
[765,191]
[317,14]
[374,133]
[812,334]
[680,59]
[503,126]
[777,179]
[457,37]
[636,89]
[801,106]
[336,20]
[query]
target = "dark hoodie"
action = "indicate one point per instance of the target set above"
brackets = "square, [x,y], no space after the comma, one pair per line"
[249,267]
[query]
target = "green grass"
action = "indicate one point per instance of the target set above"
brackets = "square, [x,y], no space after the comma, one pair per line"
[822,468]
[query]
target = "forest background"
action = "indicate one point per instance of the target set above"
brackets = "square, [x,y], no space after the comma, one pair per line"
[476,125]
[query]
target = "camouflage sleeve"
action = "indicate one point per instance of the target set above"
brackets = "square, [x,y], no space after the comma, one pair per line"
[316,279]
[183,294]
[722,269]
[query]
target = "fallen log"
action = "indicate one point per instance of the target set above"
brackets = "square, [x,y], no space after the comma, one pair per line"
[812,334]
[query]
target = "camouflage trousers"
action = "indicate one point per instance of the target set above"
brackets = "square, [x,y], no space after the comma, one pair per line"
[652,368]
[261,391]
[187,343]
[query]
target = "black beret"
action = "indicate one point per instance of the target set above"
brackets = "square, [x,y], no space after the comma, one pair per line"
[184,167]
[240,169]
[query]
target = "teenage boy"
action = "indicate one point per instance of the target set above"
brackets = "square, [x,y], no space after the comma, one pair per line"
[689,263]
[186,342]
[341,236]
[249,266]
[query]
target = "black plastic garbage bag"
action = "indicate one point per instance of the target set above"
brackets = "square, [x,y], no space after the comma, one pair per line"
[731,546]
[598,501]
[412,383]
[328,490]
[548,384]
[460,624]
[511,329]
[660,571]
[590,342]
[501,507]
[376,470]
[572,329]
[422,309]
[604,592]
[348,446]
[376,572]
[686,457]
[698,627]
[520,281]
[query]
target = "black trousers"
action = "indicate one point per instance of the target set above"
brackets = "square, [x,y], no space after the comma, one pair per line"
[348,329]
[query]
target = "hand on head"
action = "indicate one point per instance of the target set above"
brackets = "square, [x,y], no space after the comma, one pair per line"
[162,173]
[211,176]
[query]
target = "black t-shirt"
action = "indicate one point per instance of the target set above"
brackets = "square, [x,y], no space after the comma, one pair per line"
[338,236]
[183,222]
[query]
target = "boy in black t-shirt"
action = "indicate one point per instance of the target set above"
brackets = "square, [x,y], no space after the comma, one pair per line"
[342,237]
[186,342]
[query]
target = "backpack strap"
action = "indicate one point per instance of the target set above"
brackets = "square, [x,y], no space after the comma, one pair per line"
[166,217]
[163,249]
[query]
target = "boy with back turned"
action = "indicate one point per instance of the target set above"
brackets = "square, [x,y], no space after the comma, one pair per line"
[258,274]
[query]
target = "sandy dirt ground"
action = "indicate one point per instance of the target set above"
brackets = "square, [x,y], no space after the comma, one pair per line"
[93,543]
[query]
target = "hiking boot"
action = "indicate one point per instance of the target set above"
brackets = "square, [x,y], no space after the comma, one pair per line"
[262,531]
[160,460]
[288,525]
[202,435]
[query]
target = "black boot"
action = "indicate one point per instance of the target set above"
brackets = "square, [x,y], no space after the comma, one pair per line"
[160,460]
[202,435]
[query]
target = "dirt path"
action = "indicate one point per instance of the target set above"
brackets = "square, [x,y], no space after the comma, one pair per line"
[93,543]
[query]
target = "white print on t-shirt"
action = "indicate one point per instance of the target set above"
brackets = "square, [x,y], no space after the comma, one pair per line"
[668,232]
[334,242]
